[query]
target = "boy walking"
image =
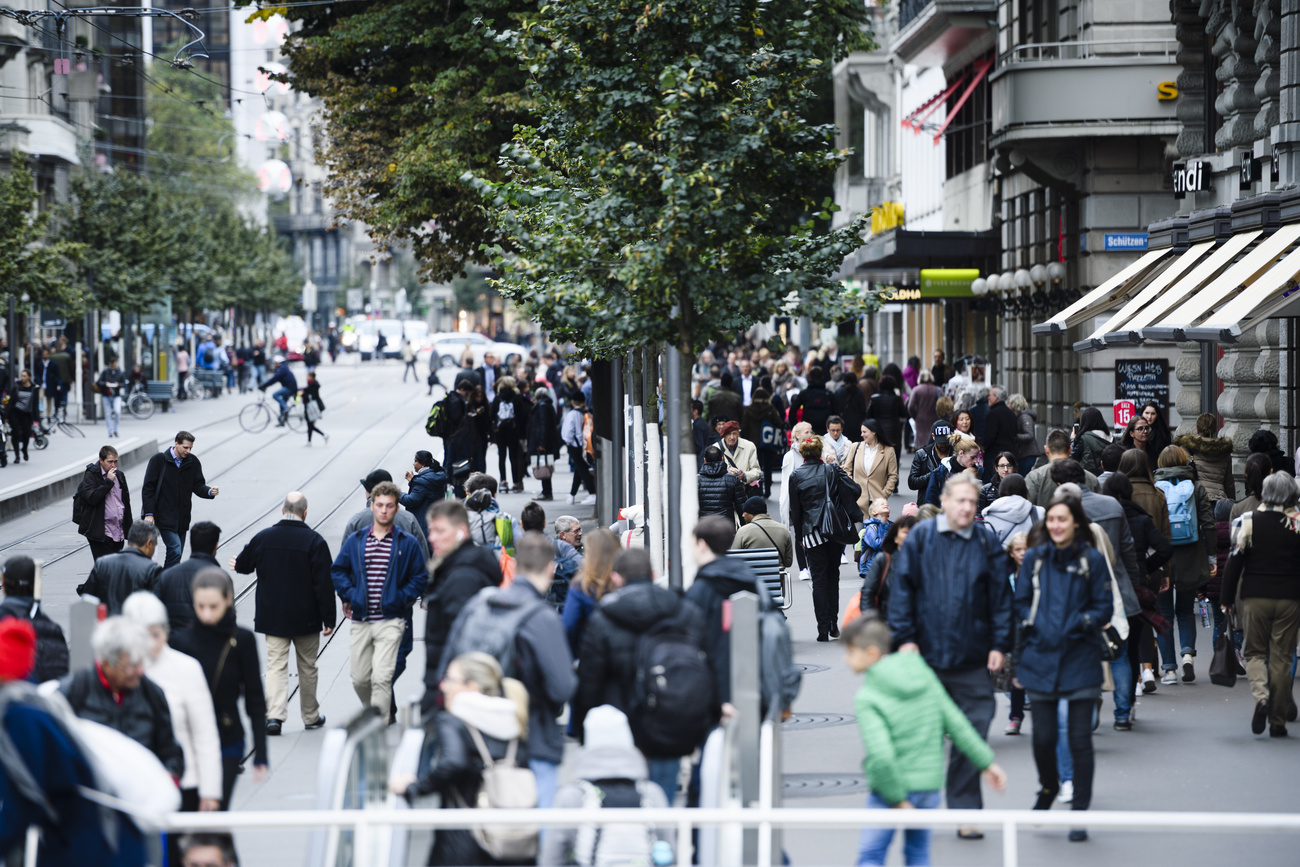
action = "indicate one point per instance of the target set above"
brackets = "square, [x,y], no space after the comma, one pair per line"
[903,714]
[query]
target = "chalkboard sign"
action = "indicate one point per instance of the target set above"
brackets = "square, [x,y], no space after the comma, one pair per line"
[1143,380]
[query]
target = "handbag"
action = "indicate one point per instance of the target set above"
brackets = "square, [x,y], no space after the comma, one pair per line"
[542,472]
[459,469]
[1225,667]
[313,411]
[835,525]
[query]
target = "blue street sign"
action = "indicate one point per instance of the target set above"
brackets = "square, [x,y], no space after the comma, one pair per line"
[1124,241]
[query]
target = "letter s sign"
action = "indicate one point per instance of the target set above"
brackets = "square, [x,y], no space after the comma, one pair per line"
[1166,90]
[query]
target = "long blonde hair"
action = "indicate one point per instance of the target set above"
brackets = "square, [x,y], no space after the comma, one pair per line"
[598,552]
[483,670]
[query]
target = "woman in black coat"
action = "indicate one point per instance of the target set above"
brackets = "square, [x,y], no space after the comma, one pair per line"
[509,415]
[22,406]
[228,654]
[809,505]
[543,435]
[888,408]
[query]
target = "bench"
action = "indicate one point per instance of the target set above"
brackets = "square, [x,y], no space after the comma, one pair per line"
[160,392]
[214,381]
[766,563]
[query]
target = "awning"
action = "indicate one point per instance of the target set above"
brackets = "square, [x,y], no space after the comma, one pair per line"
[1163,281]
[1238,278]
[1268,296]
[1105,296]
[1207,269]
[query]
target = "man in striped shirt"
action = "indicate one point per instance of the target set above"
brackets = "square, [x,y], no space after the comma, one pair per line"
[379,574]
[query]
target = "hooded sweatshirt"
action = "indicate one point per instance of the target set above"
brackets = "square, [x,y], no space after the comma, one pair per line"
[714,584]
[1007,516]
[493,715]
[903,715]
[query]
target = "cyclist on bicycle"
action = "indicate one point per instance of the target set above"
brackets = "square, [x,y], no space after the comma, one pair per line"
[288,387]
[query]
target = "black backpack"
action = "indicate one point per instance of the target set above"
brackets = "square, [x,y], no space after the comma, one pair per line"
[675,696]
[817,406]
[437,424]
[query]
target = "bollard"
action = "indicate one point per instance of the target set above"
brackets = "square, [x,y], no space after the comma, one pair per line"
[83,617]
[746,696]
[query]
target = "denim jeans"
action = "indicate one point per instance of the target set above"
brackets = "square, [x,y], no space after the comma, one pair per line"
[1123,675]
[281,397]
[112,413]
[1177,606]
[547,775]
[874,843]
[1024,465]
[665,772]
[174,544]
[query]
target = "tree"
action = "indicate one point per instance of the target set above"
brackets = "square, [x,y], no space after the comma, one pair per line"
[415,96]
[666,193]
[28,262]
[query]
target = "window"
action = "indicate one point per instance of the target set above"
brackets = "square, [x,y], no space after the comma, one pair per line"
[966,138]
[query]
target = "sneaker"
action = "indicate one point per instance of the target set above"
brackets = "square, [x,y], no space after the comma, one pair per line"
[572,499]
[1013,727]
[273,726]
[1189,673]
[1148,681]
[1123,725]
[320,721]
[1067,792]
[1169,678]
[589,500]
[1078,835]
[805,575]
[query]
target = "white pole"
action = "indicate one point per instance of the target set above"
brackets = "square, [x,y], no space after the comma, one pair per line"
[689,500]
[78,378]
[654,511]
[639,456]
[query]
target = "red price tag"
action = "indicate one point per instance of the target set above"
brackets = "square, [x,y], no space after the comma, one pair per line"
[1124,412]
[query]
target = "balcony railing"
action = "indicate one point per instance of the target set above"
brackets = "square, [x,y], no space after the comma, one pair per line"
[908,10]
[1163,49]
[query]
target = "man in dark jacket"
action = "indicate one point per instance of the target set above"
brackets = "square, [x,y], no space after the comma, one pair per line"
[950,602]
[814,404]
[117,576]
[170,480]
[458,442]
[720,493]
[295,606]
[288,383]
[174,583]
[851,406]
[115,692]
[723,401]
[1000,429]
[102,505]
[20,602]
[426,484]
[461,569]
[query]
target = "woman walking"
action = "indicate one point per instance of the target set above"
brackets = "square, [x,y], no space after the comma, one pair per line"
[965,459]
[228,654]
[509,414]
[1193,563]
[822,497]
[1090,440]
[875,583]
[921,406]
[22,405]
[1063,601]
[1028,450]
[1262,586]
[111,384]
[1015,546]
[313,407]
[599,548]
[888,408]
[873,464]
[544,438]
[1004,465]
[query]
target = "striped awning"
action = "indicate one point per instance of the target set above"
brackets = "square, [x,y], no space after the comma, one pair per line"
[1108,295]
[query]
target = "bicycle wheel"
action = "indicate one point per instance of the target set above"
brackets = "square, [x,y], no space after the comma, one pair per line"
[41,440]
[255,417]
[71,429]
[141,406]
[296,422]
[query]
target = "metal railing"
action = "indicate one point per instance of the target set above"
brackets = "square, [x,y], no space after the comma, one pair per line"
[1165,49]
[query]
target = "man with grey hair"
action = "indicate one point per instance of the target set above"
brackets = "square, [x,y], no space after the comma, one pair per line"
[1000,429]
[295,606]
[950,602]
[114,691]
[569,529]
[117,576]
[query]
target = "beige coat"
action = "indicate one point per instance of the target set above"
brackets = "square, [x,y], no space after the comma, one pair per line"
[880,482]
[744,458]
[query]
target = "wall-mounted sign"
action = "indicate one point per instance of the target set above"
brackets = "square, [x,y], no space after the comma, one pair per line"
[1124,412]
[1191,177]
[1249,169]
[1275,172]
[1124,241]
[934,283]
[1166,90]
[1142,381]
[886,216]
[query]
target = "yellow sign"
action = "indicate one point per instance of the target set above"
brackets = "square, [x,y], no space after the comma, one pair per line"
[886,216]
[1166,90]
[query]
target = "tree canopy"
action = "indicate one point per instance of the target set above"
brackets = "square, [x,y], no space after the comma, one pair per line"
[28,263]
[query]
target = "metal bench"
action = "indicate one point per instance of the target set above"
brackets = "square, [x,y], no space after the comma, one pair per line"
[213,381]
[160,391]
[766,563]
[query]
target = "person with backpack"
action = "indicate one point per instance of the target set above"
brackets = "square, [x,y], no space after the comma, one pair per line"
[634,630]
[20,601]
[814,404]
[516,627]
[480,734]
[490,527]
[571,432]
[609,772]
[509,414]
[101,506]
[1090,437]
[450,420]
[1191,531]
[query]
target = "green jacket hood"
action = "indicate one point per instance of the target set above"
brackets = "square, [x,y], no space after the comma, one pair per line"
[899,675]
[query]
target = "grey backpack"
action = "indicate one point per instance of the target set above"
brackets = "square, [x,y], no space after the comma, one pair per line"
[487,626]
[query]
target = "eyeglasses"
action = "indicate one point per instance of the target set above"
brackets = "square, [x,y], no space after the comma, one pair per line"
[1141,427]
[1005,466]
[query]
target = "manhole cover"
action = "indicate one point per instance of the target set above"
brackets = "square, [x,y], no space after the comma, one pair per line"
[818,720]
[821,785]
[810,668]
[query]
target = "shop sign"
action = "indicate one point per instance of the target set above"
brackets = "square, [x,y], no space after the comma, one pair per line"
[1191,177]
[1141,381]
[1124,241]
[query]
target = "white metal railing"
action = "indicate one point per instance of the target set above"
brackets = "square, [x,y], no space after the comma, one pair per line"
[1166,49]
[366,823]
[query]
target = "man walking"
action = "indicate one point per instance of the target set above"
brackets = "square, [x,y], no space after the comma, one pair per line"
[295,606]
[174,583]
[170,480]
[949,602]
[379,574]
[1039,481]
[102,505]
[117,576]
[1000,429]
[571,432]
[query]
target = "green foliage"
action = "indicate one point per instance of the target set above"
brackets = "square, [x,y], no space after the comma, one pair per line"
[667,194]
[415,96]
[27,263]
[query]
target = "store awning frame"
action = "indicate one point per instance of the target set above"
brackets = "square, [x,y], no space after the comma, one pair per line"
[1109,294]
[1270,295]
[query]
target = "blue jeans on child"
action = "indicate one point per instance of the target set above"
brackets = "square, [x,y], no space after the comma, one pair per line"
[875,841]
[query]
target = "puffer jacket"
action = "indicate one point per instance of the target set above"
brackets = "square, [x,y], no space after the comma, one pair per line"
[1087,450]
[117,576]
[950,596]
[1213,462]
[142,714]
[1191,562]
[808,501]
[1007,516]
[720,493]
[51,647]
[426,487]
[1062,650]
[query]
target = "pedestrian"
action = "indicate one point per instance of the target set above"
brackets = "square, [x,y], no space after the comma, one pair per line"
[228,654]
[1261,588]
[874,530]
[823,499]
[182,369]
[1191,531]
[532,519]
[571,432]
[928,457]
[762,424]
[964,461]
[479,412]
[194,723]
[51,660]
[488,525]
[381,343]
[171,478]
[876,577]
[590,584]
[313,407]
[1264,442]
[103,502]
[741,456]
[921,406]
[426,484]
[1004,678]
[1039,481]
[408,359]
[379,573]
[46,375]
[114,691]
[1161,436]
[814,404]
[288,383]
[890,410]
[405,519]
[1004,464]
[489,372]
[295,607]
[509,415]
[1000,431]
[940,371]
[1091,435]
[954,557]
[1027,449]
[208,850]
[116,576]
[1211,456]
[759,530]
[873,464]
[789,463]
[543,440]
[174,584]
[568,532]
[479,728]
[22,407]
[1257,468]
[110,384]
[1011,512]
[835,436]
[516,627]
[904,715]
[720,492]
[1063,601]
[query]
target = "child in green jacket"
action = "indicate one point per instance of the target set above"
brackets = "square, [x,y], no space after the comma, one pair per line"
[903,714]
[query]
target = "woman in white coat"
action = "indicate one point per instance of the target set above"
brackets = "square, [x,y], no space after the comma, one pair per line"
[194,722]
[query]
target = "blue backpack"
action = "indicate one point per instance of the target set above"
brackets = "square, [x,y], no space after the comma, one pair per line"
[1181,500]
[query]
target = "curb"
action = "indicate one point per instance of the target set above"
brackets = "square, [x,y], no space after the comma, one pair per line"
[26,497]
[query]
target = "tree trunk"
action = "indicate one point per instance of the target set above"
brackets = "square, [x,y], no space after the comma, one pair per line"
[655,519]
[687,494]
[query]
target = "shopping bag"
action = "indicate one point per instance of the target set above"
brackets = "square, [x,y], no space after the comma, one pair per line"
[1225,668]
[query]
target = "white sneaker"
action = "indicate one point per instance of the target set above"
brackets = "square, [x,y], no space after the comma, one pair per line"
[1148,682]
[805,575]
[572,499]
[1169,678]
[589,500]
[844,558]
[1067,792]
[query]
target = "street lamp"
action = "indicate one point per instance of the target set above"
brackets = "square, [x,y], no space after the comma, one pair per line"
[979,287]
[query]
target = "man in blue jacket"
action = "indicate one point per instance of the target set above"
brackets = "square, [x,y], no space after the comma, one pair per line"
[951,602]
[379,573]
[288,388]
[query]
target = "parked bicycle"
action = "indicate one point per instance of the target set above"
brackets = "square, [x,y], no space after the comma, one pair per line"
[139,403]
[256,417]
[55,422]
